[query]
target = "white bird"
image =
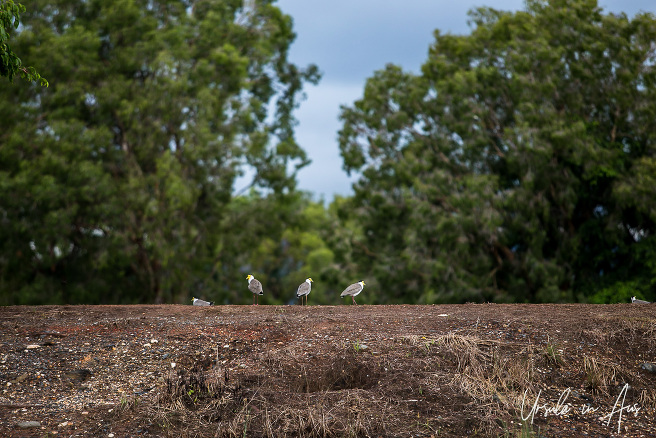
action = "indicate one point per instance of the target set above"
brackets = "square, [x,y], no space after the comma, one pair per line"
[353,290]
[304,290]
[198,302]
[256,287]
[634,300]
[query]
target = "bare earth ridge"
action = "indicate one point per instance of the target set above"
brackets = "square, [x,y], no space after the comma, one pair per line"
[398,370]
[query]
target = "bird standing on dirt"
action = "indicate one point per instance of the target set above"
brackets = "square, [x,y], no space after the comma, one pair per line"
[353,290]
[198,302]
[304,290]
[256,287]
[634,300]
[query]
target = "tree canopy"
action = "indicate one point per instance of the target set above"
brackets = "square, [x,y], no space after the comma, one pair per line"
[518,166]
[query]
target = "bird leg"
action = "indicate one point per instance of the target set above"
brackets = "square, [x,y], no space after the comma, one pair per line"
[353,298]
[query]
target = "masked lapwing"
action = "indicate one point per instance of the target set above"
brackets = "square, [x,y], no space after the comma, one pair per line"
[634,300]
[198,302]
[256,287]
[304,290]
[353,290]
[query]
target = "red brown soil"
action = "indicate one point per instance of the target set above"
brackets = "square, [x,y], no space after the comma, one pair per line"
[441,370]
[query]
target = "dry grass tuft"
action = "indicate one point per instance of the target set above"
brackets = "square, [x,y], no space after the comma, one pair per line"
[600,376]
[647,399]
[200,400]
[494,376]
[630,330]
[500,381]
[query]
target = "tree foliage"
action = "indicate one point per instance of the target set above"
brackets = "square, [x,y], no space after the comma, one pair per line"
[10,64]
[116,183]
[517,166]
[298,240]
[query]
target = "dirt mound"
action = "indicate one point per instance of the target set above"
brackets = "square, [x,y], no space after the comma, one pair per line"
[228,371]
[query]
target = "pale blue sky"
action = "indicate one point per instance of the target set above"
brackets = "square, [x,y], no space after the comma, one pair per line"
[350,39]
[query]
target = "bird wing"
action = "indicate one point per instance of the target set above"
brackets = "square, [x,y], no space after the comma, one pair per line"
[256,287]
[303,289]
[201,303]
[353,289]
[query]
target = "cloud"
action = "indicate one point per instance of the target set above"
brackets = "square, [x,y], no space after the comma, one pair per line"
[351,39]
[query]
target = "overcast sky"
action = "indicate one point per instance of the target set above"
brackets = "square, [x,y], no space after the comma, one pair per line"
[350,39]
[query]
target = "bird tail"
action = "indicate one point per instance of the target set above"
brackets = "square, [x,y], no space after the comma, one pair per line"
[211,303]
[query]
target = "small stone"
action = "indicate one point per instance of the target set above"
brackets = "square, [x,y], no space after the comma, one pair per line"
[20,378]
[172,364]
[154,341]
[651,367]
[33,346]
[29,424]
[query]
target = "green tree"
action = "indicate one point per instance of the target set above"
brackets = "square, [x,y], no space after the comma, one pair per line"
[117,182]
[10,64]
[284,250]
[516,166]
